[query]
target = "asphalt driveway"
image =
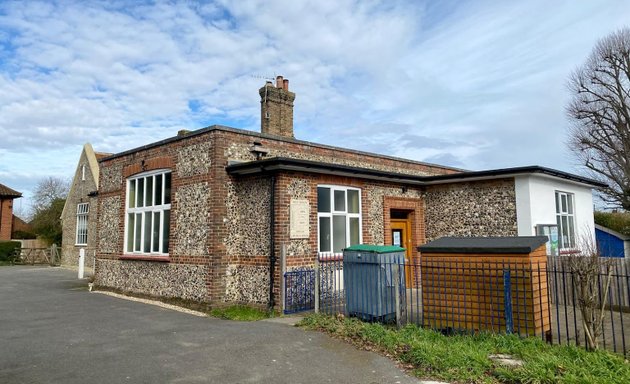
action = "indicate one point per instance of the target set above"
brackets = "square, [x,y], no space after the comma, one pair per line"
[52,330]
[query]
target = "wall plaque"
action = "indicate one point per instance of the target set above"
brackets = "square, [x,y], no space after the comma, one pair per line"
[300,211]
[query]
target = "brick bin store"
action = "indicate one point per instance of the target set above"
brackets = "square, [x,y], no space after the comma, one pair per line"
[203,216]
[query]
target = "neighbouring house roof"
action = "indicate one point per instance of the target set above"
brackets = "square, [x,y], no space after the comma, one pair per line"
[287,164]
[621,236]
[491,245]
[8,192]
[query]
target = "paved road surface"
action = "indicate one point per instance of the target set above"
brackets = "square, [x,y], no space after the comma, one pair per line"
[52,330]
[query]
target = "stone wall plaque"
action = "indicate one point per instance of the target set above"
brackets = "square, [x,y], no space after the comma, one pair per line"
[300,211]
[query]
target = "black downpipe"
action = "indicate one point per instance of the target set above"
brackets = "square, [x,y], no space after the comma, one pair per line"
[272,243]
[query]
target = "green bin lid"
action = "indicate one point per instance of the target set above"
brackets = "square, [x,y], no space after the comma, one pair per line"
[375,248]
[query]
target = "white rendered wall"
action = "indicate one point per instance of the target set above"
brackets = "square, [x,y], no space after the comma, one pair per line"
[535,204]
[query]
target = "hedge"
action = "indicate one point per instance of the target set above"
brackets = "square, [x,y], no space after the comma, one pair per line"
[7,249]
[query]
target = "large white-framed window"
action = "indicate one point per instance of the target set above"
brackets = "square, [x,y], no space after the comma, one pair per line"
[338,218]
[565,217]
[148,213]
[83,210]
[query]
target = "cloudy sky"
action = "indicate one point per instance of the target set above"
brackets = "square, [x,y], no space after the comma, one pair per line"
[471,84]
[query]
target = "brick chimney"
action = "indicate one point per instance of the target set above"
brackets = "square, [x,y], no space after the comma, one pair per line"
[276,108]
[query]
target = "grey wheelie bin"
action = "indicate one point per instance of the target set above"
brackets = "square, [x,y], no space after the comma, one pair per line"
[369,279]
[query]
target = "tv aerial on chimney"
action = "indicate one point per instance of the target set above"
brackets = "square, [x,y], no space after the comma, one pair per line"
[267,80]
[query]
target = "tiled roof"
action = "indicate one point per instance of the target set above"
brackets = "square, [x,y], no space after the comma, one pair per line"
[8,192]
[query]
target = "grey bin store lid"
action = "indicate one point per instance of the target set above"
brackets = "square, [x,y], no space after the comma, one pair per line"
[511,244]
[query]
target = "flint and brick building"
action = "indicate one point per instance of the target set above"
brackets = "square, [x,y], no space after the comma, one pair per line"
[204,216]
[78,218]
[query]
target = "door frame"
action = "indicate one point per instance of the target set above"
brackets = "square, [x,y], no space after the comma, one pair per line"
[406,242]
[414,207]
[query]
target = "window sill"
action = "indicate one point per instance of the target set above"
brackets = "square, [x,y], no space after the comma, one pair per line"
[163,259]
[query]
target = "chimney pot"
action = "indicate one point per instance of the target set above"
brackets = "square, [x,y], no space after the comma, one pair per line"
[279,82]
[285,84]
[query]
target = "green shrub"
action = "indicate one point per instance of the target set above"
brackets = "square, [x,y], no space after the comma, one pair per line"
[617,221]
[7,249]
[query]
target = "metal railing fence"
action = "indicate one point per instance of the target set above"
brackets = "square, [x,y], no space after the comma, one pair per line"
[527,298]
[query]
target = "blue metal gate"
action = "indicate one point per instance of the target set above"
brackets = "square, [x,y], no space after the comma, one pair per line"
[299,290]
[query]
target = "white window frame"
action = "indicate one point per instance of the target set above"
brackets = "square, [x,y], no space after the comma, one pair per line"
[83,211]
[334,212]
[154,210]
[567,212]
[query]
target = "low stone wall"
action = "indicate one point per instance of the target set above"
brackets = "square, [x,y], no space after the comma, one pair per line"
[183,281]
[247,284]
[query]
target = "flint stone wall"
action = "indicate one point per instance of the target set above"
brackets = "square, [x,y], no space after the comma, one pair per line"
[248,217]
[192,220]
[185,281]
[247,284]
[471,209]
[109,230]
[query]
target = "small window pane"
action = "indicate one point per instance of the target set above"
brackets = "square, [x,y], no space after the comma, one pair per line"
[130,227]
[167,188]
[323,199]
[149,189]
[353,201]
[339,233]
[571,232]
[166,231]
[563,198]
[138,233]
[132,194]
[340,201]
[570,203]
[557,202]
[565,232]
[147,232]
[158,190]
[354,231]
[324,234]
[156,232]
[140,195]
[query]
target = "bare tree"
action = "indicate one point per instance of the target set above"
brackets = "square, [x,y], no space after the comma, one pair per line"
[48,201]
[600,116]
[47,191]
[592,276]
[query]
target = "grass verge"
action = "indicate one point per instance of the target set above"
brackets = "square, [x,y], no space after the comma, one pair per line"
[240,313]
[464,358]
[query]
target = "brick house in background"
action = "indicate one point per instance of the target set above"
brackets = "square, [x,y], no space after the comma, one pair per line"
[203,216]
[78,217]
[7,195]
